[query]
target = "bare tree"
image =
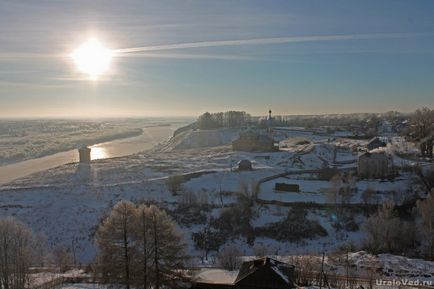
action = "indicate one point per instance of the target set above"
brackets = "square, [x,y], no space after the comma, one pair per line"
[343,187]
[426,211]
[229,257]
[16,253]
[40,250]
[333,192]
[174,183]
[368,197]
[380,228]
[249,191]
[260,250]
[422,130]
[387,233]
[63,258]
[207,240]
[305,268]
[189,198]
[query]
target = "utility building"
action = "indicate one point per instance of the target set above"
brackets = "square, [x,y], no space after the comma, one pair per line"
[84,154]
[373,165]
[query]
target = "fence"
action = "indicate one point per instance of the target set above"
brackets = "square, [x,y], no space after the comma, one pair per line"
[326,281]
[54,283]
[353,282]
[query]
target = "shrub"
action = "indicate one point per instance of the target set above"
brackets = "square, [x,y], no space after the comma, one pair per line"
[293,228]
[174,183]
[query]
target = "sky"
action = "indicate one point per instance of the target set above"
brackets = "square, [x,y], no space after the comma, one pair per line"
[185,57]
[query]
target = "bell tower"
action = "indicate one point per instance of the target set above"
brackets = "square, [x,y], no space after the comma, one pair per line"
[270,123]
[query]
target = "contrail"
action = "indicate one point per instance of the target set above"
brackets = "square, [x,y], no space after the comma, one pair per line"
[263,41]
[189,56]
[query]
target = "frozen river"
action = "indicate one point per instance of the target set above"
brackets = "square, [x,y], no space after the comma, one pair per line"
[117,148]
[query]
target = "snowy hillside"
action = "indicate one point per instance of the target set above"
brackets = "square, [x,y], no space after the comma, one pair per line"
[191,139]
[67,203]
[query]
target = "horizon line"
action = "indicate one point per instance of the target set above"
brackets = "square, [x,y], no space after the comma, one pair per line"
[59,117]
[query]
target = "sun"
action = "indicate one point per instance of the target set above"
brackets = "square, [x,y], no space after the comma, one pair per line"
[92,58]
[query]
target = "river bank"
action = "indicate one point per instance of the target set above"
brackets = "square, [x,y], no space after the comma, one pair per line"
[149,137]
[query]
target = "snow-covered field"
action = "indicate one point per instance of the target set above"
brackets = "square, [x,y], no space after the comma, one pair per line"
[316,190]
[66,203]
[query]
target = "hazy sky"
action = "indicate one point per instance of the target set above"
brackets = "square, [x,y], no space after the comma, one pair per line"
[301,57]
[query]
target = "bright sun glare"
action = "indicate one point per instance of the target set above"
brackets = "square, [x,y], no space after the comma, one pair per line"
[92,58]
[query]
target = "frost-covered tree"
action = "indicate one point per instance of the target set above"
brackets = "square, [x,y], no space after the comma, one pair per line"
[40,251]
[387,233]
[142,236]
[343,188]
[115,240]
[207,121]
[139,246]
[422,130]
[167,247]
[220,119]
[16,253]
[248,192]
[63,258]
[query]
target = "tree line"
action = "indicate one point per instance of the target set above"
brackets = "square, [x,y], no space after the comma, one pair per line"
[139,247]
[421,130]
[223,119]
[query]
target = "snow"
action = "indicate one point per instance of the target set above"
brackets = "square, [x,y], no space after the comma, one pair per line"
[315,191]
[216,276]
[345,157]
[394,266]
[43,277]
[27,139]
[387,266]
[309,191]
[403,267]
[66,203]
[202,138]
[84,286]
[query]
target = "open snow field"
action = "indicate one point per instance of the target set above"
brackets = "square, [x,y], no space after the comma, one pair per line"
[67,203]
